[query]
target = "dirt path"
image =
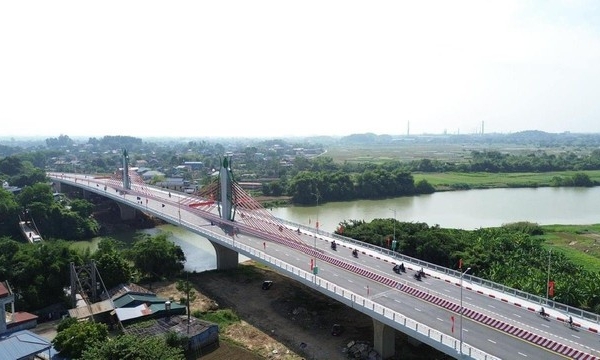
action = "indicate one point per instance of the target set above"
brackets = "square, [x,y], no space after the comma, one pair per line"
[289,321]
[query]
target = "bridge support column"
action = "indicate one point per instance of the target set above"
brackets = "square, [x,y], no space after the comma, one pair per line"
[127,212]
[226,258]
[86,194]
[383,339]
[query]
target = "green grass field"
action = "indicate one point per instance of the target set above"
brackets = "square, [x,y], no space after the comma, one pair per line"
[580,243]
[443,181]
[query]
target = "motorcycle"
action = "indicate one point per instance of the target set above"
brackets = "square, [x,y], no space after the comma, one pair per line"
[417,276]
[355,253]
[333,246]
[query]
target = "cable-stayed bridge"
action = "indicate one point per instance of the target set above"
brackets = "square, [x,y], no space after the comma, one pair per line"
[495,322]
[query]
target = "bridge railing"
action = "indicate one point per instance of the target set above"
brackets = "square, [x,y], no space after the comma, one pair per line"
[531,298]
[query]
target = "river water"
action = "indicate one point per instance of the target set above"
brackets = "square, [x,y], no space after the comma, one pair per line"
[469,209]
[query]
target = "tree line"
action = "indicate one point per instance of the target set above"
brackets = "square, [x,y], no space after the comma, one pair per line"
[512,255]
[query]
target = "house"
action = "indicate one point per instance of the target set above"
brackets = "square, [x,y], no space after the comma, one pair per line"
[23,344]
[194,165]
[202,335]
[131,308]
[134,304]
[175,184]
[151,174]
[16,341]
[9,188]
[13,320]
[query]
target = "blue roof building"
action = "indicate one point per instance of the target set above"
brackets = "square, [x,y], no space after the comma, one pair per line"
[22,345]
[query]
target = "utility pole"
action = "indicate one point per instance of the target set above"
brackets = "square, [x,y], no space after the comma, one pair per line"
[394,210]
[548,281]
[461,308]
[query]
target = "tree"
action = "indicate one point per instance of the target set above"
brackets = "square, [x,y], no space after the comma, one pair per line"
[36,193]
[40,272]
[582,179]
[156,256]
[82,207]
[9,209]
[424,187]
[187,288]
[74,339]
[11,165]
[111,263]
[133,347]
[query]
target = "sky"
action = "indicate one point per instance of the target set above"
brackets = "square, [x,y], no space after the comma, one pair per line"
[298,68]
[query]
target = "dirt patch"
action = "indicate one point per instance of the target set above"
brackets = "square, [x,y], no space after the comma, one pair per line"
[289,321]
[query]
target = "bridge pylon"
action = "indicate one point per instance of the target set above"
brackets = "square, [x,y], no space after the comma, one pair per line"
[227,208]
[125,161]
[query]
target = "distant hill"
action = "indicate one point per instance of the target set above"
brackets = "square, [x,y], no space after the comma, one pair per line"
[529,137]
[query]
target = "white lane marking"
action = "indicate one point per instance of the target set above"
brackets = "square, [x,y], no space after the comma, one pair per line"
[468,298]
[398,301]
[419,310]
[492,306]
[544,325]
[576,337]
[516,315]
[492,341]
[520,353]
[440,319]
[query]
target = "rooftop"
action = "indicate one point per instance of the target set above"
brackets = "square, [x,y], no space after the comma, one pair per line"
[21,345]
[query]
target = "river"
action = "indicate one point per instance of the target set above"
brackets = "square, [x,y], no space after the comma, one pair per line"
[469,209]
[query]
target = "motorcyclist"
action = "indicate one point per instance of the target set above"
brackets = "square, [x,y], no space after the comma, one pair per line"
[333,245]
[402,267]
[570,321]
[542,311]
[355,253]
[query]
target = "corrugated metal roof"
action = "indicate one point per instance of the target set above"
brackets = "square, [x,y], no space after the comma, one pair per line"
[125,314]
[22,344]
[95,308]
[127,299]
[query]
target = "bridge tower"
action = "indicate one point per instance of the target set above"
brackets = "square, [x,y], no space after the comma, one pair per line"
[227,208]
[126,180]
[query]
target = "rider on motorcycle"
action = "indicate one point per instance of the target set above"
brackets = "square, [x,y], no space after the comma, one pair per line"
[570,321]
[542,311]
[355,253]
[333,245]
